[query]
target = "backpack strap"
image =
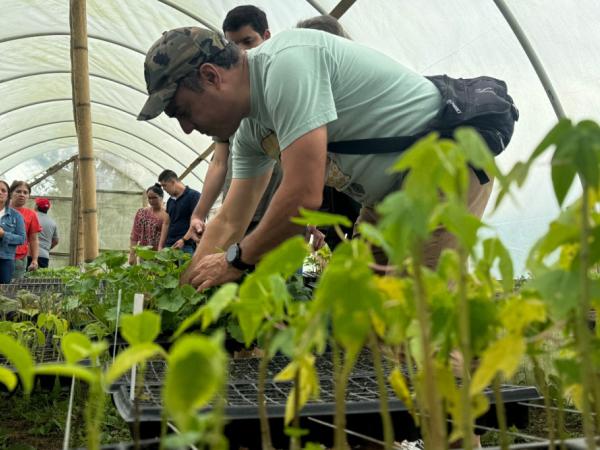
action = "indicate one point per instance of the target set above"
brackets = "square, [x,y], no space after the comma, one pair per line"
[386,145]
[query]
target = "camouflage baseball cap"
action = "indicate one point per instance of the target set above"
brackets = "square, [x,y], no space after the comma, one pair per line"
[176,54]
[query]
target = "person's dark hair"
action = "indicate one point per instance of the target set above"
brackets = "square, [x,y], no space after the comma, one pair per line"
[326,23]
[156,189]
[167,175]
[17,183]
[226,58]
[241,16]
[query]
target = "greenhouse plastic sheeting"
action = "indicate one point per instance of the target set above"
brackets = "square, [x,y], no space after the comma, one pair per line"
[459,37]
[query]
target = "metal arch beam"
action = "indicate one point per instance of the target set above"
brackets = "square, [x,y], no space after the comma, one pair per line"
[533,58]
[100,157]
[189,14]
[95,123]
[95,138]
[52,170]
[107,105]
[315,4]
[66,33]
[63,72]
[341,8]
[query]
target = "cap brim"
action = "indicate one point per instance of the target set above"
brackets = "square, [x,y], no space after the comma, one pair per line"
[157,102]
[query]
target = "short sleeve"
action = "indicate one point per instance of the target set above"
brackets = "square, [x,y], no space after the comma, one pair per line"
[251,155]
[300,101]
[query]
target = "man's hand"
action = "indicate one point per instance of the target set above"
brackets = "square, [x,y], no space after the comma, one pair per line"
[132,259]
[33,266]
[212,270]
[179,243]
[197,226]
[318,238]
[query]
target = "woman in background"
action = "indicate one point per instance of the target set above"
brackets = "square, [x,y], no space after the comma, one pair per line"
[19,194]
[148,222]
[12,233]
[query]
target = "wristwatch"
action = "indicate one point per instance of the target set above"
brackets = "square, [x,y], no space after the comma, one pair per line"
[233,256]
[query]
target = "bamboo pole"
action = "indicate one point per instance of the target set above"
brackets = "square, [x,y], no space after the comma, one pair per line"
[83,125]
[75,249]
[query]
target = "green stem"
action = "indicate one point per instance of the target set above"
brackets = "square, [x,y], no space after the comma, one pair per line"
[163,427]
[139,385]
[386,419]
[219,441]
[295,439]
[541,381]
[434,425]
[500,414]
[464,327]
[411,379]
[561,416]
[265,432]
[340,442]
[582,331]
[95,400]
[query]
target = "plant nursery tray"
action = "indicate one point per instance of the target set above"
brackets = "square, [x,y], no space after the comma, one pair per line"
[39,280]
[11,290]
[362,394]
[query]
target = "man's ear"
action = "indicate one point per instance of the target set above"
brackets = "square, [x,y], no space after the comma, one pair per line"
[267,34]
[209,75]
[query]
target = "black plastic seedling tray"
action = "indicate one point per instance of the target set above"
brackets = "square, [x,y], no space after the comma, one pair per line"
[38,280]
[362,398]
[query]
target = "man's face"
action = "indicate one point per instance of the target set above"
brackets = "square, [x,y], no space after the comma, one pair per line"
[169,186]
[246,37]
[210,112]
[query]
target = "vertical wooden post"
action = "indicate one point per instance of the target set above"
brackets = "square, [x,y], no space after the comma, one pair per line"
[75,240]
[83,125]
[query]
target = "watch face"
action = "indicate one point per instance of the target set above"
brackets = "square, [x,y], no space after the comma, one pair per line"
[232,253]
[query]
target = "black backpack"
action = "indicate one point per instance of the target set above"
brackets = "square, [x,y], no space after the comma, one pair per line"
[482,103]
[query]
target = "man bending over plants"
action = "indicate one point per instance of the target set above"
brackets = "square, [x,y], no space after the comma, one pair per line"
[310,89]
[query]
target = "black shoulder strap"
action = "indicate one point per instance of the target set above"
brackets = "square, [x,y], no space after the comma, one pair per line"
[376,145]
[385,145]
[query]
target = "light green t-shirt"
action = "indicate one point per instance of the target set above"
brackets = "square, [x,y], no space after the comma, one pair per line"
[253,134]
[303,79]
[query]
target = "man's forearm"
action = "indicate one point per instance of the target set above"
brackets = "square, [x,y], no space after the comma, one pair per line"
[219,234]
